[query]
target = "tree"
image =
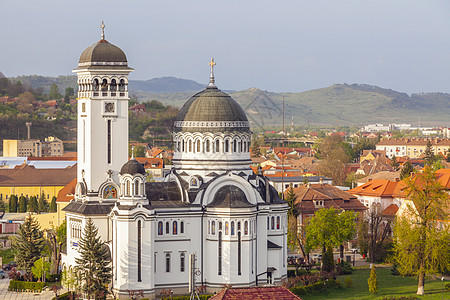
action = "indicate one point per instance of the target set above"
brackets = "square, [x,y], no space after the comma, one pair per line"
[429,154]
[22,204]
[406,170]
[373,281]
[53,205]
[334,157]
[69,93]
[54,92]
[448,155]
[41,269]
[25,102]
[329,228]
[94,262]
[139,151]
[379,230]
[422,231]
[33,204]
[2,205]
[290,198]
[13,203]
[28,245]
[363,236]
[254,149]
[394,163]
[42,205]
[56,241]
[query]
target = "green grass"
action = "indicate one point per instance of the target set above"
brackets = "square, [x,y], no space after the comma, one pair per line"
[388,285]
[7,255]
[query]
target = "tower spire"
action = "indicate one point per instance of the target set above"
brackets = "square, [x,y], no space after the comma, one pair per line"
[102,26]
[211,77]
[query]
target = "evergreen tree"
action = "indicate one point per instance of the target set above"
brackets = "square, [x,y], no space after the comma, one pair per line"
[53,205]
[406,170]
[42,205]
[22,204]
[2,205]
[13,203]
[32,204]
[290,198]
[93,264]
[429,154]
[54,92]
[373,281]
[448,154]
[28,245]
[394,163]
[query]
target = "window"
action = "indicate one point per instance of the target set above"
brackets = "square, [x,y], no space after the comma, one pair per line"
[234,145]
[182,262]
[246,227]
[136,187]
[174,227]
[272,223]
[226,228]
[239,226]
[128,188]
[154,263]
[139,250]
[278,222]
[181,227]
[122,86]
[190,145]
[227,146]
[239,253]
[217,146]
[168,262]
[182,142]
[207,146]
[220,225]
[213,228]
[220,254]
[167,228]
[268,223]
[113,86]
[160,228]
[198,146]
[232,227]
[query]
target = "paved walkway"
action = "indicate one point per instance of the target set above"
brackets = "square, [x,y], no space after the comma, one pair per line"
[5,295]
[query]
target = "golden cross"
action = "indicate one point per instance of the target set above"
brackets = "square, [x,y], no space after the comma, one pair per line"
[212,63]
[103,30]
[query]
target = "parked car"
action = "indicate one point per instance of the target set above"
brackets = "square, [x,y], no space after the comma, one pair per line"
[2,274]
[9,266]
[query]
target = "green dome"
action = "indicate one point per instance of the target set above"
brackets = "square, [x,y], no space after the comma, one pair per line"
[103,53]
[211,110]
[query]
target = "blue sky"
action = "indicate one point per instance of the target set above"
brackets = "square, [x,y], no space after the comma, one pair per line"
[291,45]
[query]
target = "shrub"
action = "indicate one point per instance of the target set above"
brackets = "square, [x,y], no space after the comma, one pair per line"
[328,260]
[344,268]
[320,286]
[447,287]
[15,285]
[394,270]
[348,282]
[301,272]
[291,273]
[373,281]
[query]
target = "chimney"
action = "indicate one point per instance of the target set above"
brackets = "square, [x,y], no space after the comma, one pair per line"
[28,124]
[321,180]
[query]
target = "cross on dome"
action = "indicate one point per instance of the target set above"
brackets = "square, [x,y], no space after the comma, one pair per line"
[211,77]
[102,26]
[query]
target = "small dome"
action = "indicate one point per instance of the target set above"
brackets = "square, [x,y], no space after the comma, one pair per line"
[132,167]
[230,196]
[103,53]
[211,110]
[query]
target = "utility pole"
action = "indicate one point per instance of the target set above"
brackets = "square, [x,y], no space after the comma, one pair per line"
[192,272]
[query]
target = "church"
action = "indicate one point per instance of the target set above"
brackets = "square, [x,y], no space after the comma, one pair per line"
[211,203]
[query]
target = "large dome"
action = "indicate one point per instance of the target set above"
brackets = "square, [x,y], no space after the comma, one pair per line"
[103,53]
[132,167]
[211,110]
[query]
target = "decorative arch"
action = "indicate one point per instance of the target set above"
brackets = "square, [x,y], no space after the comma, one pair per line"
[109,190]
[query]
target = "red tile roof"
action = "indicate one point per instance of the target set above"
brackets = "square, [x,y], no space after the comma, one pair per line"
[376,188]
[66,194]
[262,293]
[391,210]
[25,175]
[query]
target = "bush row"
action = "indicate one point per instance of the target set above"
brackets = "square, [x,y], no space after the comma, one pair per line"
[299,272]
[23,286]
[187,297]
[320,286]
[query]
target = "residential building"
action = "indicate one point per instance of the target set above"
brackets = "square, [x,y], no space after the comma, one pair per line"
[51,146]
[378,191]
[413,148]
[282,183]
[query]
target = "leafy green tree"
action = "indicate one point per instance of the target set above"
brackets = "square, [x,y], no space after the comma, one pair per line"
[422,232]
[22,204]
[394,163]
[33,204]
[28,245]
[139,151]
[42,205]
[53,205]
[56,241]
[54,92]
[69,93]
[373,281]
[448,155]
[41,268]
[406,170]
[13,203]
[329,228]
[94,262]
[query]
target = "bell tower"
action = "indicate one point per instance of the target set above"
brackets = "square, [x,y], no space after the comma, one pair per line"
[102,137]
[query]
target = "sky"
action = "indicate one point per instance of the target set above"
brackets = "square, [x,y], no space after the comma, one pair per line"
[279,46]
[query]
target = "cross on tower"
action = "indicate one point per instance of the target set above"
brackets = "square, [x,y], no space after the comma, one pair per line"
[211,77]
[103,30]
[212,64]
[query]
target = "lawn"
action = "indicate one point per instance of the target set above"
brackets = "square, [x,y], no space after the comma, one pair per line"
[7,255]
[388,285]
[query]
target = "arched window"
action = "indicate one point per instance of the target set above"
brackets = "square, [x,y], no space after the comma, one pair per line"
[139,251]
[232,227]
[246,228]
[113,86]
[182,142]
[217,146]
[128,188]
[278,222]
[122,85]
[227,146]
[198,146]
[95,85]
[136,187]
[272,223]
[160,228]
[181,227]
[182,261]
[207,146]
[213,228]
[234,145]
[220,225]
[226,228]
[239,226]
[239,253]
[240,146]
[167,228]
[190,145]
[104,85]
[167,262]
[174,227]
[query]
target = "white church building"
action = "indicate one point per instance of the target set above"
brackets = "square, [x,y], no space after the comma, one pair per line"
[211,203]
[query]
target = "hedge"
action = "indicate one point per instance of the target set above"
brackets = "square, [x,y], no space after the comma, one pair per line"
[316,287]
[25,286]
[293,273]
[187,297]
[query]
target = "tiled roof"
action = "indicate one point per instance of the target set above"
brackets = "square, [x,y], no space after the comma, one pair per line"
[151,162]
[25,175]
[413,142]
[67,193]
[387,175]
[261,293]
[376,188]
[391,210]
